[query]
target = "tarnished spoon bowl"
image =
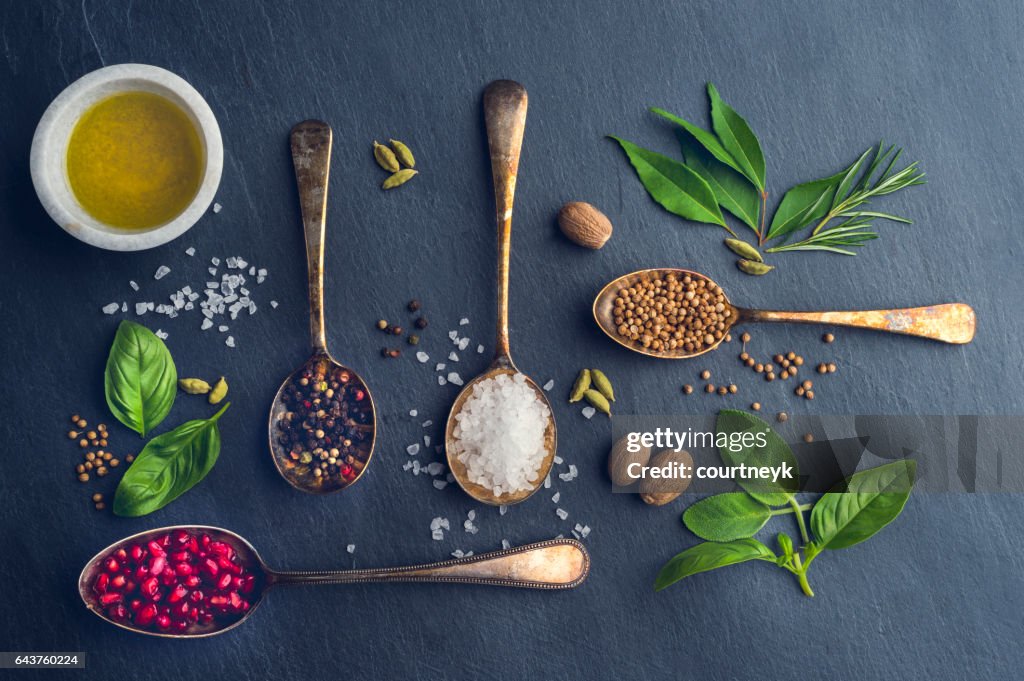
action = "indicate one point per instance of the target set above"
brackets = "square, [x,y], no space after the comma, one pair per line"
[549,565]
[948,322]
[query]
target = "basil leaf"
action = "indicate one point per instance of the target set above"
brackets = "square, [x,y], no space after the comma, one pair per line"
[863,505]
[140,381]
[732,191]
[677,188]
[775,453]
[168,466]
[737,138]
[706,139]
[725,517]
[708,556]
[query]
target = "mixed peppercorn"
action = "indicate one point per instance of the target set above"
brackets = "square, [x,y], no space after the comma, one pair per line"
[325,432]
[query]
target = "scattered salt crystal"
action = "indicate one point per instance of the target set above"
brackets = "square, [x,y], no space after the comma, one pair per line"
[575,534]
[549,385]
[111,308]
[427,423]
[422,357]
[440,523]
[124,307]
[454,335]
[463,344]
[437,535]
[561,513]
[217,207]
[416,467]
[555,497]
[505,544]
[261,272]
[426,440]
[435,468]
[479,349]
[454,378]
[413,449]
[441,380]
[547,482]
[407,465]
[413,413]
[141,308]
[252,271]
[453,357]
[463,321]
[588,412]
[273,304]
[440,484]
[502,510]
[471,515]
[161,272]
[229,341]
[440,366]
[190,251]
[206,324]
[558,459]
[161,334]
[351,548]
[222,328]
[135,287]
[457,553]
[215,261]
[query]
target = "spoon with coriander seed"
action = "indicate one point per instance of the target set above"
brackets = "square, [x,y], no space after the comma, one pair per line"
[692,315]
[322,423]
[500,438]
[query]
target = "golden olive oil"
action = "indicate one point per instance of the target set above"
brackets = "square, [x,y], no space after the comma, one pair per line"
[135,160]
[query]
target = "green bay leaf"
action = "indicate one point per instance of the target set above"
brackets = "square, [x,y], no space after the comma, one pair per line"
[737,138]
[732,190]
[705,138]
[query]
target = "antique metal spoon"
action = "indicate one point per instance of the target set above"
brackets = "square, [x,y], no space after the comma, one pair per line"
[505,118]
[949,323]
[552,564]
[311,155]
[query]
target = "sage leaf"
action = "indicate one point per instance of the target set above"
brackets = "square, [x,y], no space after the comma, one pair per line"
[140,380]
[708,556]
[678,189]
[725,517]
[705,138]
[775,453]
[168,466]
[733,192]
[863,505]
[738,139]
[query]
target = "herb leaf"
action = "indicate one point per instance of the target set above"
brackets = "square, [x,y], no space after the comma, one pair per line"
[863,505]
[706,139]
[803,204]
[140,378]
[678,189]
[775,453]
[725,517]
[708,556]
[168,466]
[732,191]
[738,139]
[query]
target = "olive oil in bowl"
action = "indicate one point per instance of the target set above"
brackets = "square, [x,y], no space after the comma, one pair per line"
[135,160]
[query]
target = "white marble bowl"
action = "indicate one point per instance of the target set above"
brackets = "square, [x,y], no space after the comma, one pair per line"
[50,144]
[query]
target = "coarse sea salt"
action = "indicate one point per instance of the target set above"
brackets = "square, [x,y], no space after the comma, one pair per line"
[549,385]
[217,208]
[161,272]
[454,378]
[351,548]
[422,357]
[588,412]
[561,513]
[413,449]
[111,308]
[499,434]
[135,286]
[190,251]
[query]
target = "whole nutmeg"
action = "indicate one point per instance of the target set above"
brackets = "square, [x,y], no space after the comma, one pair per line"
[660,491]
[584,225]
[621,458]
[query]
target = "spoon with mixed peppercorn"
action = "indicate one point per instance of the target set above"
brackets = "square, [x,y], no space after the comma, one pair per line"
[193,581]
[677,314]
[322,422]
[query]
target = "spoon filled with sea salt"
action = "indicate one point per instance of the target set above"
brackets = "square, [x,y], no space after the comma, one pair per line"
[500,438]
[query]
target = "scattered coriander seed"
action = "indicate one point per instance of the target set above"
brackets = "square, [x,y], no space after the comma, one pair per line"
[80,468]
[90,456]
[733,388]
[114,463]
[74,418]
[778,359]
[687,389]
[72,434]
[809,395]
[421,322]
[832,368]
[782,417]
[745,337]
[728,338]
[751,361]
[769,367]
[807,385]
[744,356]
[808,438]
[97,497]
[83,443]
[759,368]
[396,330]
[130,458]
[784,374]
[828,338]
[709,388]
[101,471]
[87,465]
[100,506]
[756,406]
[798,360]
[83,477]
[382,324]
[722,390]
[705,374]
[799,392]
[769,376]
[822,368]
[414,339]
[81,423]
[103,442]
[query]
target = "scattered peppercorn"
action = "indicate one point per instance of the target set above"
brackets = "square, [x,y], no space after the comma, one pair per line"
[828,338]
[396,330]
[414,305]
[421,323]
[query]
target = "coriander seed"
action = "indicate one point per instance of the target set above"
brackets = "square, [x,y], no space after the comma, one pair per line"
[832,368]
[782,417]
[828,338]
[807,385]
[810,395]
[81,423]
[705,374]
[733,388]
[745,337]
[722,390]
[382,324]
[687,389]
[756,406]
[808,438]
[799,392]
[822,368]
[709,388]
[97,497]
[83,477]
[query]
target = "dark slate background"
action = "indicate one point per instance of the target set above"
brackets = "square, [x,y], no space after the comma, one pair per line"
[937,595]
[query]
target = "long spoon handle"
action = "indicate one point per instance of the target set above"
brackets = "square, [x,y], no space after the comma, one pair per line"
[311,155]
[949,323]
[505,117]
[552,564]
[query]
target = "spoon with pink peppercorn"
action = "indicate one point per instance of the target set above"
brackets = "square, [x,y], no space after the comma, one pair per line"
[192,581]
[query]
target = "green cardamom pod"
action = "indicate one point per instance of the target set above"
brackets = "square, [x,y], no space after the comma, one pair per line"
[398,179]
[194,386]
[744,250]
[754,268]
[385,157]
[403,153]
[581,386]
[219,391]
[598,401]
[603,385]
